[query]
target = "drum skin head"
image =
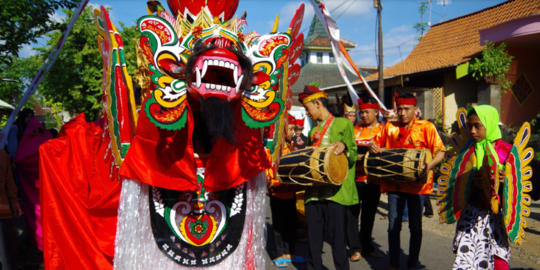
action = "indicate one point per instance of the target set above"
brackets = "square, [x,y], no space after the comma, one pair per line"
[337,166]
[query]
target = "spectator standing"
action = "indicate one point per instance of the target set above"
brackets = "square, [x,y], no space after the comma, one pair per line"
[27,161]
[9,207]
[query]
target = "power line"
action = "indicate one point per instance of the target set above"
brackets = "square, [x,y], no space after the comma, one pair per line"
[307,27]
[397,46]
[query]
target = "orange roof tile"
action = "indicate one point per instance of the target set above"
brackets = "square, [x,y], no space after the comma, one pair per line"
[456,41]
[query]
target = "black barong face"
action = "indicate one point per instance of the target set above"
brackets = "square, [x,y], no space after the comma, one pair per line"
[219,118]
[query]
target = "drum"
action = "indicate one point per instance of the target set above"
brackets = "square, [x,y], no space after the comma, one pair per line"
[362,150]
[403,165]
[313,166]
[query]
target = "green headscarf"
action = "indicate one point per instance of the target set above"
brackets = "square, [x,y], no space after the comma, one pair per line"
[490,119]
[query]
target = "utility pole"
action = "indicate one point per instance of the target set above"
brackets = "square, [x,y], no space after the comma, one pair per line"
[381,65]
[429,23]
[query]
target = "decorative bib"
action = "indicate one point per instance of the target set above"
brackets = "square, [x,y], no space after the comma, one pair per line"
[197,228]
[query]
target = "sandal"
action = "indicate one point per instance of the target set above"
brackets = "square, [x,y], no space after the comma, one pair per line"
[355,257]
[281,263]
[297,259]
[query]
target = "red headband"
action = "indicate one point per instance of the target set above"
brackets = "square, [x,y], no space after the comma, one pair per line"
[292,120]
[364,106]
[300,122]
[405,101]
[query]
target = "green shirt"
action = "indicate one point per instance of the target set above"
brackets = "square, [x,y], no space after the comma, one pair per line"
[341,130]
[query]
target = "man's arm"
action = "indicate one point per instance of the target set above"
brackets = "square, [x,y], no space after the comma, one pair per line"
[436,147]
[429,166]
[11,188]
[347,142]
[378,140]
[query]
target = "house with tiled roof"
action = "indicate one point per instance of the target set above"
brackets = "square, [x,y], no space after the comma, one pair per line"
[318,62]
[431,70]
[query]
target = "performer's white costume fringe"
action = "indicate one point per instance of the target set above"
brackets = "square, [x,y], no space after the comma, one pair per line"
[136,248]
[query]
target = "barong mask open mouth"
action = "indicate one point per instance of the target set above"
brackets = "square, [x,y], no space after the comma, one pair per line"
[217,69]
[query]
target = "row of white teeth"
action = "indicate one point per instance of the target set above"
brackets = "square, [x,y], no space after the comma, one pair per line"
[218,87]
[200,74]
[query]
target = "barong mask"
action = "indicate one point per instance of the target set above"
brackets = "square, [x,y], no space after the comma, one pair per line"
[202,51]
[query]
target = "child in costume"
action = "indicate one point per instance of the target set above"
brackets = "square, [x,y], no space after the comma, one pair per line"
[478,224]
[299,139]
[482,188]
[283,208]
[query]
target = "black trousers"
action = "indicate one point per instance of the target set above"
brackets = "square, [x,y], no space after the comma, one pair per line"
[284,224]
[370,194]
[8,244]
[317,212]
[427,205]
[353,236]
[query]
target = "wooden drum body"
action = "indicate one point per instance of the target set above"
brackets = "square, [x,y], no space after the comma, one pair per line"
[313,166]
[362,150]
[403,165]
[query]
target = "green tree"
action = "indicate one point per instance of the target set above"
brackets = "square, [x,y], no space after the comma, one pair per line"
[24,21]
[494,64]
[75,79]
[421,26]
[23,70]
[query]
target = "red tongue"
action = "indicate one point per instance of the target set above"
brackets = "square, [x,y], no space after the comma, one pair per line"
[221,53]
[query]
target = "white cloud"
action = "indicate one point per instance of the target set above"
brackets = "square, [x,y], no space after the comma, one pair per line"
[26,51]
[367,61]
[348,7]
[98,6]
[286,14]
[338,8]
[57,17]
[398,44]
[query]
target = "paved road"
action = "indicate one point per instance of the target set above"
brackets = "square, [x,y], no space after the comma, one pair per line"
[436,251]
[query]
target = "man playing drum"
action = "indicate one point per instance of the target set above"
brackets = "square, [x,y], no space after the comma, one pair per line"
[368,189]
[283,208]
[408,132]
[329,202]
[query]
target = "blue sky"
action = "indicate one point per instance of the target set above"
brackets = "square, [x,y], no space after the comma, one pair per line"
[356,19]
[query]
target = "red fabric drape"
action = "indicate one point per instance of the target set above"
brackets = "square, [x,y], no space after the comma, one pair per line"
[79,198]
[165,158]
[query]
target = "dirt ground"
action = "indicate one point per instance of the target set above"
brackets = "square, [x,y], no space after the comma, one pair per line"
[528,252]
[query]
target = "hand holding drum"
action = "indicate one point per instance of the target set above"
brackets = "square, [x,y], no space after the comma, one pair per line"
[338,147]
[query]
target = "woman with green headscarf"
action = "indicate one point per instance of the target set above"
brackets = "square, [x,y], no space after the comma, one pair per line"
[481,241]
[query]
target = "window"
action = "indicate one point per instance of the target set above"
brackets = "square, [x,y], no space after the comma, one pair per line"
[522,89]
[332,59]
[319,57]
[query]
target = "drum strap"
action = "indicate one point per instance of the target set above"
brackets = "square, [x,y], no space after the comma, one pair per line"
[404,133]
[318,136]
[370,133]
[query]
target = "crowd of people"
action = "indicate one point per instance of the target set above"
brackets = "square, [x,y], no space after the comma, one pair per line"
[19,187]
[346,212]
[337,209]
